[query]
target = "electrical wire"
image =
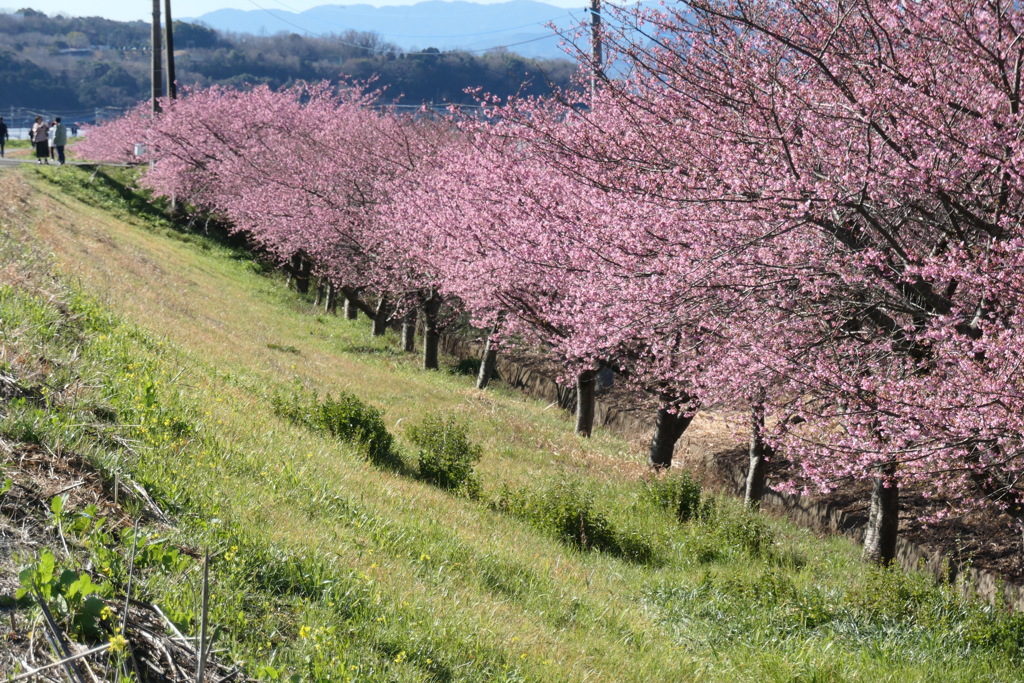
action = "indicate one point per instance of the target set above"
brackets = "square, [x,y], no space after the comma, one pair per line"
[428,36]
[333,38]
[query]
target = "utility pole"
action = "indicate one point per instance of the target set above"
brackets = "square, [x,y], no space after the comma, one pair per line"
[172,89]
[595,45]
[158,76]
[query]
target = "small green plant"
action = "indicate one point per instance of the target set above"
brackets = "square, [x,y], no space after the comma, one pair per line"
[57,509]
[346,418]
[889,594]
[157,553]
[446,456]
[71,596]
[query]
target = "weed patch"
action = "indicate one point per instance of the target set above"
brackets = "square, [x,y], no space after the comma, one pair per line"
[890,612]
[567,511]
[346,418]
[677,493]
[446,456]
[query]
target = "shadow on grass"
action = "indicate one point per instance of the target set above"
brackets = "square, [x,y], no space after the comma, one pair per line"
[370,350]
[114,189]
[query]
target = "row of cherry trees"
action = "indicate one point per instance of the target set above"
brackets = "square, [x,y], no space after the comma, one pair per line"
[808,209]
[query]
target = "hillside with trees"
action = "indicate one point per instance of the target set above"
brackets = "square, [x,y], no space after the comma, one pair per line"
[78,64]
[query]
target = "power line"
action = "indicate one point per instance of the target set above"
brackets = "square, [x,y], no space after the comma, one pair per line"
[331,37]
[429,36]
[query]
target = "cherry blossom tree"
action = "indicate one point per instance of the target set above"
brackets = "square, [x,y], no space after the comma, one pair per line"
[301,171]
[857,163]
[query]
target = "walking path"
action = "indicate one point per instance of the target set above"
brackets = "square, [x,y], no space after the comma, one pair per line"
[14,161]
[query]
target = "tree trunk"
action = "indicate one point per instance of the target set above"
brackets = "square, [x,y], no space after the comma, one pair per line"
[586,385]
[351,310]
[487,365]
[431,337]
[300,271]
[302,280]
[883,519]
[667,430]
[409,331]
[174,209]
[331,300]
[757,472]
[321,292]
[380,318]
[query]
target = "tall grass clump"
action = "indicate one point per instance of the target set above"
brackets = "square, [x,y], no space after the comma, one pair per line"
[568,511]
[895,615]
[905,602]
[446,456]
[346,418]
[679,494]
[715,529]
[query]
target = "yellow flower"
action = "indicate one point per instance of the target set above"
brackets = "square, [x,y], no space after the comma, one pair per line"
[118,643]
[305,631]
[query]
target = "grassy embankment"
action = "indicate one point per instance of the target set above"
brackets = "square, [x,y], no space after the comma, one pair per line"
[161,354]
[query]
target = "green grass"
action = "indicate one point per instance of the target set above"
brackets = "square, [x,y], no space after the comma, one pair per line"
[159,356]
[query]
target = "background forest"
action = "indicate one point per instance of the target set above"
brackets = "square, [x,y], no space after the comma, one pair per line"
[78,65]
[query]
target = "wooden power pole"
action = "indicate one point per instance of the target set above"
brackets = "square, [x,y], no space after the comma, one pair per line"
[158,76]
[172,89]
[595,44]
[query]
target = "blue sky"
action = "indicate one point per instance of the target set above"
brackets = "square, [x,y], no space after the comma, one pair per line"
[130,10]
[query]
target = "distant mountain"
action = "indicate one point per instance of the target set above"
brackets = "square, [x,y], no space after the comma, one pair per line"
[520,25]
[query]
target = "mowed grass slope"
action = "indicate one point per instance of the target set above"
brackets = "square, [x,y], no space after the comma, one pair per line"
[329,568]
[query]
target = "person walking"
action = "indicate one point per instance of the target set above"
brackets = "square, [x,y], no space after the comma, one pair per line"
[3,136]
[60,138]
[40,137]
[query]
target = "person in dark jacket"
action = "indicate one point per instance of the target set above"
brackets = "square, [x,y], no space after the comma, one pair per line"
[3,136]
[60,138]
